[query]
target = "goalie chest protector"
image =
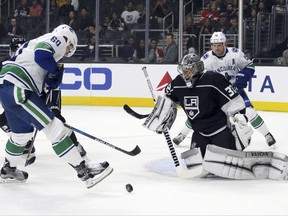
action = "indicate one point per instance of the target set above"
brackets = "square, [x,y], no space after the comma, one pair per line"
[202,103]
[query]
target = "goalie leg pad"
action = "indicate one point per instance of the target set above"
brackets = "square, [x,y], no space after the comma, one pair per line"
[241,131]
[244,165]
[279,167]
[162,116]
[193,160]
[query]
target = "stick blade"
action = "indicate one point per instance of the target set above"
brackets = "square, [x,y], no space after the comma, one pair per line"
[135,151]
[133,113]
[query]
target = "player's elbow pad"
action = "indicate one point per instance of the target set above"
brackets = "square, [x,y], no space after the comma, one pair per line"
[45,60]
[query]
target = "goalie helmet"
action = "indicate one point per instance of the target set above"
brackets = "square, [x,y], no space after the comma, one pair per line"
[218,37]
[190,67]
[16,43]
[67,32]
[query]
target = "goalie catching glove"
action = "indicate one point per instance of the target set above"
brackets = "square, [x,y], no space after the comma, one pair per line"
[241,130]
[162,116]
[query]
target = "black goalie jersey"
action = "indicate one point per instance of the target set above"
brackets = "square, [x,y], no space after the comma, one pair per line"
[207,103]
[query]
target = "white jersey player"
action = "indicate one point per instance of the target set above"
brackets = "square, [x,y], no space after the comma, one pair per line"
[238,69]
[22,79]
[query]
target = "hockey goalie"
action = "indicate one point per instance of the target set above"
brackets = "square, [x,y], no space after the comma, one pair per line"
[221,132]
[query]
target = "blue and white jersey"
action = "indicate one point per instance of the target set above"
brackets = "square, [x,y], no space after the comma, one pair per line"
[23,71]
[228,65]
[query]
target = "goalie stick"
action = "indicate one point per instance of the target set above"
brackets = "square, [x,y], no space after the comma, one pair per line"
[130,111]
[134,152]
[182,173]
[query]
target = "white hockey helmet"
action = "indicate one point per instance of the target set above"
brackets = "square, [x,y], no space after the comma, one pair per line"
[67,32]
[218,37]
[190,67]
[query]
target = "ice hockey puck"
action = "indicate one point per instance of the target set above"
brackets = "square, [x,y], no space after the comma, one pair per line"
[129,188]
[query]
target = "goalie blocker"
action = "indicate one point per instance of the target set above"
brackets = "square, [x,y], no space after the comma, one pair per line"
[162,116]
[233,164]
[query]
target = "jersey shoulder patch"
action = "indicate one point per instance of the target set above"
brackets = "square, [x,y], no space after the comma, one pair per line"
[205,56]
[234,49]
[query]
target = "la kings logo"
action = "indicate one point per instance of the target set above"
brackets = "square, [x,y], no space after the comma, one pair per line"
[191,104]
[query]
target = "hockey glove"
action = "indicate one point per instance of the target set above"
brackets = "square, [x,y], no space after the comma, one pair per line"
[57,113]
[243,77]
[162,116]
[53,80]
[241,80]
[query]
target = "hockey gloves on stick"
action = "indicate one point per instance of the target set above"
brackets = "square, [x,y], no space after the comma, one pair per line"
[243,77]
[242,130]
[53,80]
[162,116]
[57,113]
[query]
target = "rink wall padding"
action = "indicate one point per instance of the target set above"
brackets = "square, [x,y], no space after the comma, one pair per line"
[119,84]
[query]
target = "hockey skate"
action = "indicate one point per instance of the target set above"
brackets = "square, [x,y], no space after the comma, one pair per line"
[12,174]
[92,174]
[82,152]
[30,159]
[179,138]
[270,139]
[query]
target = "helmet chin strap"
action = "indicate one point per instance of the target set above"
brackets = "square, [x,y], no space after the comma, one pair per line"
[190,82]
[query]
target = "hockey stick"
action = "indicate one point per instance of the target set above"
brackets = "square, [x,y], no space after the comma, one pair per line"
[130,111]
[182,173]
[30,148]
[134,152]
[34,136]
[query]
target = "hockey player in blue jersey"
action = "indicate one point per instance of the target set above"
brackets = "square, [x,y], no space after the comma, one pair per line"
[22,80]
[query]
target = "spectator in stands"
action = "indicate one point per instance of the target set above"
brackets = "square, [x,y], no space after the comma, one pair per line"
[234,26]
[111,6]
[128,51]
[35,10]
[54,11]
[159,11]
[171,50]
[64,11]
[211,13]
[89,50]
[116,23]
[221,7]
[140,52]
[72,20]
[3,34]
[22,10]
[106,23]
[61,2]
[14,30]
[155,54]
[206,28]
[283,60]
[85,20]
[230,11]
[130,16]
[192,31]
[75,4]
[141,9]
[222,25]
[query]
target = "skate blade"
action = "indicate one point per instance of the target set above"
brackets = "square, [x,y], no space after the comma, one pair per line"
[10,180]
[98,178]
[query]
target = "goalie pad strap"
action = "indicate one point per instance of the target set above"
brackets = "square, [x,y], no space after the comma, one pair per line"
[193,160]
[245,165]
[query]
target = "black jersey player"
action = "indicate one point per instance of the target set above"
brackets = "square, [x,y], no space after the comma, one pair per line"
[221,130]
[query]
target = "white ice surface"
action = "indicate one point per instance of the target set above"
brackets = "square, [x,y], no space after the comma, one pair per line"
[54,189]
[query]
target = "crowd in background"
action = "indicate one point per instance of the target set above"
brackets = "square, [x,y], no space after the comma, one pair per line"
[120,18]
